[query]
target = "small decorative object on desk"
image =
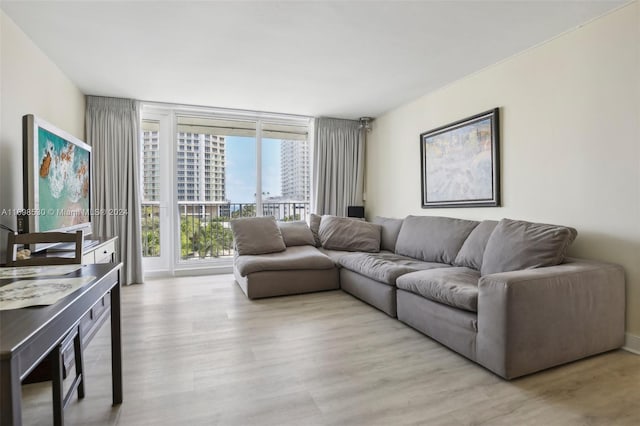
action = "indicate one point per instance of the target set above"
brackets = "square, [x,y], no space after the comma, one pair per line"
[23,254]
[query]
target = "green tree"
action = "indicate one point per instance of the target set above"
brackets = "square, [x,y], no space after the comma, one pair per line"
[204,237]
[150,231]
[247,210]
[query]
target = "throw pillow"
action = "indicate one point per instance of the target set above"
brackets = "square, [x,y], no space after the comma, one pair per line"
[390,230]
[516,244]
[342,233]
[296,234]
[433,238]
[257,235]
[314,225]
[472,251]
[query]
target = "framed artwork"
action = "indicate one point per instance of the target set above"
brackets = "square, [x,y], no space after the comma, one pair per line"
[461,163]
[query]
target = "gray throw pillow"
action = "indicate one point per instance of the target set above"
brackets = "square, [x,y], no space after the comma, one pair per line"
[257,235]
[296,234]
[472,251]
[433,238]
[390,230]
[516,244]
[342,233]
[314,225]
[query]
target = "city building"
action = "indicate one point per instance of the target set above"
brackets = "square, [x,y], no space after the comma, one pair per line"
[200,167]
[150,162]
[295,166]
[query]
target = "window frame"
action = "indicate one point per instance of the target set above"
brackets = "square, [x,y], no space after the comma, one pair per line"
[178,266]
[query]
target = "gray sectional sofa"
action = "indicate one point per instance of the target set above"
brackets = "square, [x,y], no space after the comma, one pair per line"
[500,293]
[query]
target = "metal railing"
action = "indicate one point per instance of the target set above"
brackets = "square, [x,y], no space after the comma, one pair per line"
[150,220]
[204,227]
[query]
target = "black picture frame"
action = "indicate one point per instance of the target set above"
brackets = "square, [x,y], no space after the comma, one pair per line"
[460,163]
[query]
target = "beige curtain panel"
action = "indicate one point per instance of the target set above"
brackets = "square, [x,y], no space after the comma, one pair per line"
[338,165]
[112,127]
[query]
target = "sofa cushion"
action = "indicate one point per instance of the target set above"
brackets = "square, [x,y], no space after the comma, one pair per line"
[385,266]
[293,258]
[390,231]
[314,225]
[456,287]
[257,235]
[432,238]
[334,255]
[516,244]
[342,233]
[296,234]
[472,251]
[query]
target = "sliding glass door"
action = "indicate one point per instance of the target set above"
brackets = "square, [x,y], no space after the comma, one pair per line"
[155,179]
[215,181]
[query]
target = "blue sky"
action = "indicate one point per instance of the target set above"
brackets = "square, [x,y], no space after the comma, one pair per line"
[241,168]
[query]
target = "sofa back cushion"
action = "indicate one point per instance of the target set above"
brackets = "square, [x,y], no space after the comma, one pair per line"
[472,251]
[516,244]
[342,233]
[257,235]
[390,230]
[432,238]
[314,225]
[296,234]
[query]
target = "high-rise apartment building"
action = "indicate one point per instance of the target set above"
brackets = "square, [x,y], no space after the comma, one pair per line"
[200,167]
[295,170]
[150,165]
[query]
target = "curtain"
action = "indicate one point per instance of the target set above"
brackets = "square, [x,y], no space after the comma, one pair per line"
[112,127]
[338,165]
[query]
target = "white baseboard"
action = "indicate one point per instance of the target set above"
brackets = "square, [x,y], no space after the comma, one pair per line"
[191,271]
[210,270]
[632,343]
[158,274]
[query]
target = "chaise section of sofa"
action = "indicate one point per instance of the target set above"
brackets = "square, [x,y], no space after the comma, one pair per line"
[295,270]
[279,259]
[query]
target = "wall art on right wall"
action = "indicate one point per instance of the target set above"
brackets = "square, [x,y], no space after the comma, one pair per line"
[460,163]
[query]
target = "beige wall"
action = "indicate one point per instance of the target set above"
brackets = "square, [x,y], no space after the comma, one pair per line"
[30,83]
[570,148]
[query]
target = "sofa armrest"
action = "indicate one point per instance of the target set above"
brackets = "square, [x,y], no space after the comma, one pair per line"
[534,319]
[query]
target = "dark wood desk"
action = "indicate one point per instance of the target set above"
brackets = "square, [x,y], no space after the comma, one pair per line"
[28,335]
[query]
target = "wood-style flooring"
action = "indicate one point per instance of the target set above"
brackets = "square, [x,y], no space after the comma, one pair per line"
[198,352]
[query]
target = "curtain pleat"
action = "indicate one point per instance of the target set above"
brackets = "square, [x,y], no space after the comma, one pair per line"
[338,165]
[112,127]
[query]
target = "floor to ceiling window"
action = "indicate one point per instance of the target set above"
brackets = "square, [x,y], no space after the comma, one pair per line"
[210,166]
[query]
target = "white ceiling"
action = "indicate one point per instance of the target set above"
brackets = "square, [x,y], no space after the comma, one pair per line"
[341,59]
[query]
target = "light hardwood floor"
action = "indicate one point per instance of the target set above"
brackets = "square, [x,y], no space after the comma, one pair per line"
[198,352]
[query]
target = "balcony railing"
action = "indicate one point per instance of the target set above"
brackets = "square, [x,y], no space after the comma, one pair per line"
[204,227]
[150,220]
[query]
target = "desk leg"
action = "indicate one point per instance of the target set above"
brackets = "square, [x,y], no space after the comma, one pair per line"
[116,344]
[10,393]
[57,385]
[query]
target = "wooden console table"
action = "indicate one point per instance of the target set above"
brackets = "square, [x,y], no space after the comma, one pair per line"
[28,335]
